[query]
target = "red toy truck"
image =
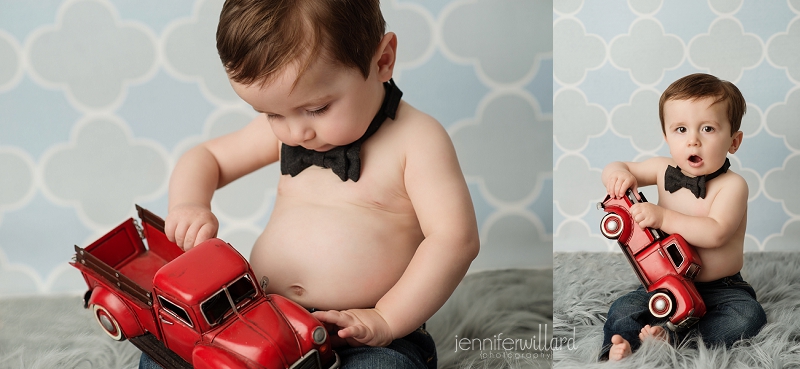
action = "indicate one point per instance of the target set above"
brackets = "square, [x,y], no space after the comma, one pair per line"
[200,308]
[663,263]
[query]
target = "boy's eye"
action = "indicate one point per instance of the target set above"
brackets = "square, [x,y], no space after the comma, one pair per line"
[272,116]
[319,111]
[681,129]
[708,129]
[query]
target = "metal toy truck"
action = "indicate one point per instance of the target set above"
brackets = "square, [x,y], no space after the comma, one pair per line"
[664,263]
[201,308]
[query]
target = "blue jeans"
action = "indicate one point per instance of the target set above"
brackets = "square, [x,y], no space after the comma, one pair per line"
[415,351]
[732,313]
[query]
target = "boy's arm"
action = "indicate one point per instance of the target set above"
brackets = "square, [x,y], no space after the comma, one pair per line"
[207,167]
[441,200]
[619,176]
[724,217]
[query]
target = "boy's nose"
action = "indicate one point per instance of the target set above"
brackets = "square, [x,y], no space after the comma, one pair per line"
[302,134]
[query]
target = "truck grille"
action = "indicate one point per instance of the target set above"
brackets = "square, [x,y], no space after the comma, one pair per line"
[692,271]
[309,361]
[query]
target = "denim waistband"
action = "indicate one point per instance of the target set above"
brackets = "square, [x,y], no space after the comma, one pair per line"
[724,281]
[733,281]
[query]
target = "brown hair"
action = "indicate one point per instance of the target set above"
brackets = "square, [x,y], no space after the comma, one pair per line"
[257,38]
[700,85]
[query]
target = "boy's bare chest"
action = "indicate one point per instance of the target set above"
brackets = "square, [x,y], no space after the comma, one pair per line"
[684,202]
[380,187]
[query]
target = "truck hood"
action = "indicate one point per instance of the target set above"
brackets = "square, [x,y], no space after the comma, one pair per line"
[262,335]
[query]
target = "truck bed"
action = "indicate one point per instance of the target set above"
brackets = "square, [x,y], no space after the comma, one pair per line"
[122,260]
[142,269]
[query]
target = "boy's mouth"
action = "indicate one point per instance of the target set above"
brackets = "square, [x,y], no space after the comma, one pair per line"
[695,161]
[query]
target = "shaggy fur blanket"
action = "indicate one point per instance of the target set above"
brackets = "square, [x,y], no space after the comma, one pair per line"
[587,283]
[56,332]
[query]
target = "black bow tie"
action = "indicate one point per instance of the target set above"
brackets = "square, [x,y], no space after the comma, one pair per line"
[674,180]
[344,161]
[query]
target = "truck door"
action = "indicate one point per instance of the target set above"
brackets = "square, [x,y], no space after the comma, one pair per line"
[179,331]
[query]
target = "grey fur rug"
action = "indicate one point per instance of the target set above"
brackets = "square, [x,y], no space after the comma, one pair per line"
[56,332]
[489,307]
[587,283]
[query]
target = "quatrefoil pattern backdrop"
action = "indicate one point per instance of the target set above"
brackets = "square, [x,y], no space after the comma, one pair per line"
[613,58]
[99,98]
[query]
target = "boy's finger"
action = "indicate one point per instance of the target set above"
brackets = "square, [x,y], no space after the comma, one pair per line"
[190,236]
[169,230]
[620,190]
[612,190]
[206,232]
[334,317]
[180,234]
[327,316]
[354,342]
[357,332]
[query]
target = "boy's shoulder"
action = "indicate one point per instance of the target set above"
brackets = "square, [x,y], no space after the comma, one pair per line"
[412,128]
[729,187]
[414,119]
[733,181]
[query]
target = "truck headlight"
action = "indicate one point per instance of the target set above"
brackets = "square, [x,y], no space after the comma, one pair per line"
[319,335]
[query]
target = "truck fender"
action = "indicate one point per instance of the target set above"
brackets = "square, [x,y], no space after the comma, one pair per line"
[621,219]
[113,315]
[210,357]
[680,295]
[303,322]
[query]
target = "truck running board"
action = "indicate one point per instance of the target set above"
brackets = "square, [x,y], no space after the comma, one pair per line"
[158,352]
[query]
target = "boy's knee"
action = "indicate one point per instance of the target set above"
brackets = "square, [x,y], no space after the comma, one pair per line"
[745,321]
[750,317]
[757,320]
[631,304]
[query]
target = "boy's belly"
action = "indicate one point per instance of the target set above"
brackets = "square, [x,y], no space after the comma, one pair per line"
[334,257]
[719,262]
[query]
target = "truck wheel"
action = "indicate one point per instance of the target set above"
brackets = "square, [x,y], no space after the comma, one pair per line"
[108,323]
[611,226]
[660,305]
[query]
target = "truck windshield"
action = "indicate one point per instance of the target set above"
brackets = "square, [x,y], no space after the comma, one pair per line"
[216,307]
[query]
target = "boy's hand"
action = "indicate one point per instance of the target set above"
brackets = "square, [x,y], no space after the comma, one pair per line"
[620,181]
[358,327]
[188,225]
[646,214]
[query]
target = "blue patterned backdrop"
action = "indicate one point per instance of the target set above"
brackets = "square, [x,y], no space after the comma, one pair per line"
[613,58]
[99,98]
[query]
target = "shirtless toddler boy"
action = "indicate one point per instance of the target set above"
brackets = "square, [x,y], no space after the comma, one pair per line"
[374,235]
[700,118]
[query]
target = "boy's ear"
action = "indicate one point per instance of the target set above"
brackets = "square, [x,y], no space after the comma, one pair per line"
[737,140]
[386,56]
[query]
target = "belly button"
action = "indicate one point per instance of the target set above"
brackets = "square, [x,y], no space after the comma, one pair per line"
[297,290]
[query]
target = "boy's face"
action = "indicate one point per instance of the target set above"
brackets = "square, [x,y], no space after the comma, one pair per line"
[699,134]
[330,106]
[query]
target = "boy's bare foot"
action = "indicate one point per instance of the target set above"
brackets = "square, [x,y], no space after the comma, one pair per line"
[620,348]
[656,332]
